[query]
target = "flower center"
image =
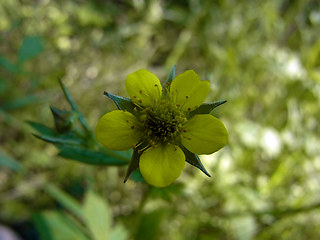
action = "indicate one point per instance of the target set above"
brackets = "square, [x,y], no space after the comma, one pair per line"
[163,122]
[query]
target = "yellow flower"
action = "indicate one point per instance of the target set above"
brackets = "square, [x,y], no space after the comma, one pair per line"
[165,126]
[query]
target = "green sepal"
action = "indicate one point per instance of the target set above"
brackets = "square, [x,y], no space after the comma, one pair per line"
[133,165]
[84,155]
[206,108]
[123,103]
[167,83]
[63,120]
[137,176]
[170,77]
[194,160]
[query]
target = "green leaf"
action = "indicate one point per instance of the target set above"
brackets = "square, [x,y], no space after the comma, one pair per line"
[60,139]
[42,129]
[31,47]
[75,108]
[206,108]
[22,102]
[133,165]
[9,162]
[93,157]
[8,65]
[53,225]
[65,200]
[194,160]
[119,233]
[150,225]
[97,216]
[122,103]
[50,135]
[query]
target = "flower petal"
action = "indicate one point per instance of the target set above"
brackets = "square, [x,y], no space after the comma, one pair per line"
[143,87]
[204,134]
[189,91]
[161,165]
[118,130]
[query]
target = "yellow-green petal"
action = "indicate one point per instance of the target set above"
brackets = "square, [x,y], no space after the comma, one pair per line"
[143,87]
[161,165]
[118,130]
[188,91]
[204,134]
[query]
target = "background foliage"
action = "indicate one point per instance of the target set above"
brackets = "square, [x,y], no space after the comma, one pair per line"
[261,56]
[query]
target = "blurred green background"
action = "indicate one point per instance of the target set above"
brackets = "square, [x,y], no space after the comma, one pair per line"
[263,57]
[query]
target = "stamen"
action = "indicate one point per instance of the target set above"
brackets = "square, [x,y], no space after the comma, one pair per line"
[140,91]
[162,122]
[187,97]
[132,127]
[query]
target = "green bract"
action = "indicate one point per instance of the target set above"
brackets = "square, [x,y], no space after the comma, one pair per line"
[165,126]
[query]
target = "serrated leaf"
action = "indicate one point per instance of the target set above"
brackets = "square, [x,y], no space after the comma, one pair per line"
[53,225]
[97,216]
[122,103]
[206,108]
[30,48]
[65,200]
[194,160]
[93,157]
[9,162]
